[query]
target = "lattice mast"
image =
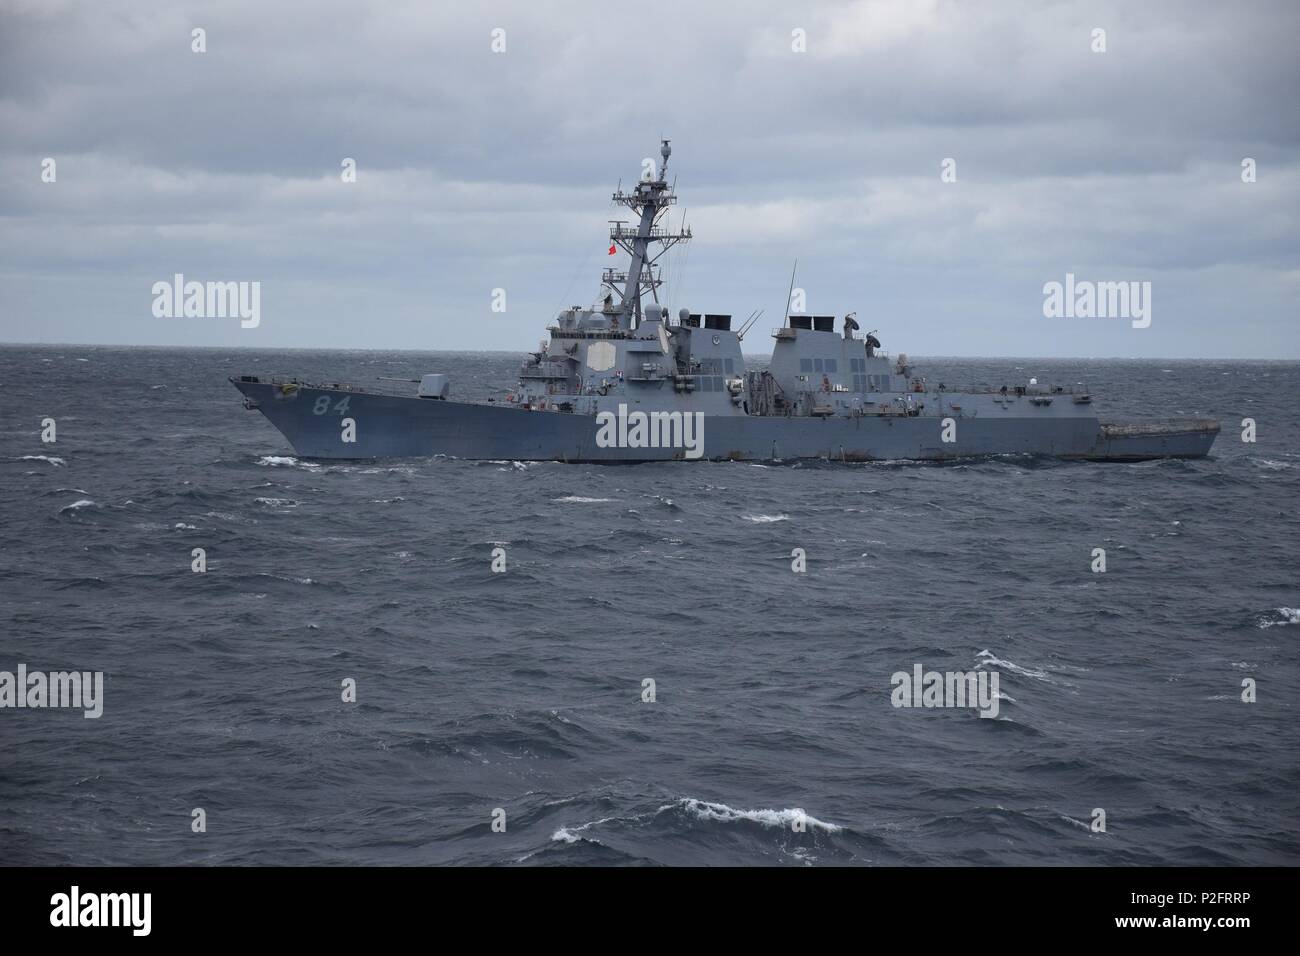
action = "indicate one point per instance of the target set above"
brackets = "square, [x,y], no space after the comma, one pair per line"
[649,201]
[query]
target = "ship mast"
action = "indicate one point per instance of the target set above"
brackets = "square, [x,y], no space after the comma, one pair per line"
[649,201]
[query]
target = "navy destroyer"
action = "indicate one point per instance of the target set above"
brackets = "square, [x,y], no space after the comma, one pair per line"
[625,381]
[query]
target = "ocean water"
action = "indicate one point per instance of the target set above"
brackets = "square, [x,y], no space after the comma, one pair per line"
[522,691]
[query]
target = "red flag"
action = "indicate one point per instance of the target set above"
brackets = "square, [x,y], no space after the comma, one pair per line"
[613,248]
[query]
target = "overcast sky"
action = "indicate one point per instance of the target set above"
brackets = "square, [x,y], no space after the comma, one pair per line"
[479,170]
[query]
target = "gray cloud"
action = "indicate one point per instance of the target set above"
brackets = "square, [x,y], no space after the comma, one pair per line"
[481,170]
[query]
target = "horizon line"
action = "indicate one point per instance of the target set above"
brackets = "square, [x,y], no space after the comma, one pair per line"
[300,348]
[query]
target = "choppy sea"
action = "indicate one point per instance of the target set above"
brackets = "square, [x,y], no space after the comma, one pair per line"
[517,697]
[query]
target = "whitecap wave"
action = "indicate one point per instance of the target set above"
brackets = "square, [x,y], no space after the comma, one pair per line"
[570,834]
[765,519]
[578,499]
[989,659]
[52,459]
[287,577]
[721,813]
[286,461]
[78,505]
[1290,615]
[227,516]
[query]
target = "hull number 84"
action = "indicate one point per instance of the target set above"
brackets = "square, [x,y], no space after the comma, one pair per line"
[323,405]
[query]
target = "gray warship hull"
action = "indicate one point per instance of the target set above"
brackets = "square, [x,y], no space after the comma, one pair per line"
[395,426]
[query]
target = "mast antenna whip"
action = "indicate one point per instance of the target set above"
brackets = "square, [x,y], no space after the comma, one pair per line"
[785,313]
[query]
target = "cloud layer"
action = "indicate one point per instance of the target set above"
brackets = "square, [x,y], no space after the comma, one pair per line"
[480,170]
